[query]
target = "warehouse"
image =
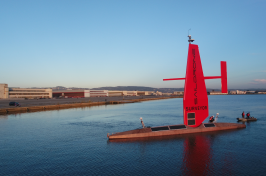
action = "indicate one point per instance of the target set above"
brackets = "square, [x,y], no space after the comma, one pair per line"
[80,93]
[6,92]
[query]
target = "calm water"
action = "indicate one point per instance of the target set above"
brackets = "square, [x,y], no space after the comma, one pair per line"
[74,141]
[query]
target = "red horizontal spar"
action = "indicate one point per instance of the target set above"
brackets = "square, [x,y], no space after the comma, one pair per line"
[170,79]
[206,77]
[212,77]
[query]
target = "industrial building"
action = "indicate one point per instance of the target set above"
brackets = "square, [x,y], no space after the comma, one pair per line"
[80,93]
[114,93]
[6,92]
[217,93]
[178,93]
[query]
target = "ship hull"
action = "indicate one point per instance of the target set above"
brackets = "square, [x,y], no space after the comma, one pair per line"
[245,119]
[174,130]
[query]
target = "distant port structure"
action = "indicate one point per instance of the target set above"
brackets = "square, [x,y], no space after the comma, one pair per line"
[35,93]
[61,92]
[102,93]
[6,92]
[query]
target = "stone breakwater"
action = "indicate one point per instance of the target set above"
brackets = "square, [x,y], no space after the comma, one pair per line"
[55,104]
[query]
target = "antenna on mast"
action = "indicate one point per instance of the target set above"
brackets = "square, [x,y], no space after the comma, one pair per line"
[189,37]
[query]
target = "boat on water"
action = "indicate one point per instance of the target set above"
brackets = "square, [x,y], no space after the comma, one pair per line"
[195,104]
[247,119]
[149,132]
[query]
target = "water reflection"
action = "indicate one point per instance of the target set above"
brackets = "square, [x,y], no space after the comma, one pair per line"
[3,116]
[197,155]
[146,140]
[195,152]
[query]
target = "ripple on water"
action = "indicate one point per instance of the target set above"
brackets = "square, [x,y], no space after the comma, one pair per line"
[74,142]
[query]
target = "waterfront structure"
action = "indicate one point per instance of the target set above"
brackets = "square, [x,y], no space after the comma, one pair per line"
[80,93]
[131,93]
[98,93]
[218,93]
[179,93]
[115,93]
[29,93]
[240,92]
[250,92]
[140,93]
[69,93]
[167,94]
[6,92]
[3,91]
[158,93]
[75,93]
[149,93]
[233,92]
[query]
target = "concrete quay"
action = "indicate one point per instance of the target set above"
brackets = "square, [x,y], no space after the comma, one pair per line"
[32,105]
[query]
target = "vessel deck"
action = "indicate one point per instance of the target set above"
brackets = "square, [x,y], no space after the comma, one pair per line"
[153,132]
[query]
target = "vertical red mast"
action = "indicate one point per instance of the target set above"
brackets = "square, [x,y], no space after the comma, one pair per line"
[195,101]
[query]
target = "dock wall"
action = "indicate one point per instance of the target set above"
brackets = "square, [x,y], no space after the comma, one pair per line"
[74,105]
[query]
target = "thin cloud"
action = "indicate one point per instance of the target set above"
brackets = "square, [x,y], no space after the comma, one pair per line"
[263,81]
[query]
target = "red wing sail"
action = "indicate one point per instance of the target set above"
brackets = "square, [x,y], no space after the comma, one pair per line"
[195,100]
[224,77]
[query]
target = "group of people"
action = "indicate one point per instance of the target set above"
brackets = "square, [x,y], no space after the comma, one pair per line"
[248,115]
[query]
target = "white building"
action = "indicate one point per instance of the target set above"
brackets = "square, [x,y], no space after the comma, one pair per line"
[217,93]
[179,93]
[240,92]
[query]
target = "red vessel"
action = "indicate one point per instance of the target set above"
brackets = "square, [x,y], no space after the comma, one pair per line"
[195,103]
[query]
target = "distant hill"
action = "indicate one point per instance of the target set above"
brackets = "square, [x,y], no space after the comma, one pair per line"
[140,88]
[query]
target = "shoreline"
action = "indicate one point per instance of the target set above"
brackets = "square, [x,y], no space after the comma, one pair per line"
[57,104]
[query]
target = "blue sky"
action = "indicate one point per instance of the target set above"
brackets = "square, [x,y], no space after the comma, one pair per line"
[49,43]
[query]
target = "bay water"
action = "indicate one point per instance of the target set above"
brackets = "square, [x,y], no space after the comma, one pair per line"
[74,141]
